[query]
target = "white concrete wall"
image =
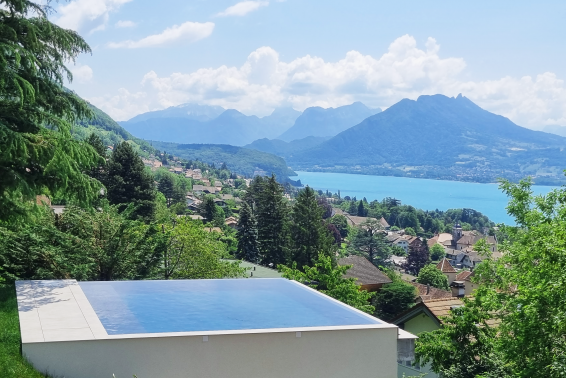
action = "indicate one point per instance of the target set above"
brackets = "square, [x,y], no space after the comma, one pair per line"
[364,353]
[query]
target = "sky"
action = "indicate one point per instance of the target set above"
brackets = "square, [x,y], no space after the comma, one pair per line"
[255,56]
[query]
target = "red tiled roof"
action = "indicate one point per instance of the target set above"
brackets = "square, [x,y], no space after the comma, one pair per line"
[445,267]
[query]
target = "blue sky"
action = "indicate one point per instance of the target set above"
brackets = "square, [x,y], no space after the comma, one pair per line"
[507,56]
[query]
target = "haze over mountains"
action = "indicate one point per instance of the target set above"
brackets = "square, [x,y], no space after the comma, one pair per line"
[192,123]
[432,137]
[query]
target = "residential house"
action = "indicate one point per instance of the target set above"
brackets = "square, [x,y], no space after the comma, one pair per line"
[178,170]
[425,316]
[465,277]
[427,292]
[384,224]
[399,240]
[196,217]
[220,202]
[218,184]
[231,222]
[367,275]
[206,181]
[415,243]
[447,269]
[198,189]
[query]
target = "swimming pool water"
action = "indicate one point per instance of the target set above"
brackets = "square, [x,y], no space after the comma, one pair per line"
[127,307]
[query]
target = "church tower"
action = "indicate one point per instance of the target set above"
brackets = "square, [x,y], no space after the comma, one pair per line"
[456,233]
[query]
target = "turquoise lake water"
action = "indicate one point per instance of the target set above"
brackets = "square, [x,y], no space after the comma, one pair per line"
[420,193]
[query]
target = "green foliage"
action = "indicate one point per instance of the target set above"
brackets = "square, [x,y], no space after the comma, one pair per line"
[12,363]
[211,212]
[37,150]
[82,244]
[393,299]
[410,231]
[522,293]
[247,235]
[173,192]
[309,235]
[242,160]
[193,253]
[437,252]
[329,279]
[369,240]
[341,224]
[431,275]
[127,182]
[272,213]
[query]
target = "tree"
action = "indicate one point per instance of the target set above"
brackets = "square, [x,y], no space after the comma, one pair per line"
[327,209]
[341,224]
[272,218]
[369,239]
[247,235]
[431,275]
[361,209]
[172,192]
[352,209]
[410,231]
[211,212]
[98,171]
[437,252]
[334,233]
[197,254]
[309,234]
[514,326]
[393,299]
[37,151]
[417,258]
[128,182]
[329,279]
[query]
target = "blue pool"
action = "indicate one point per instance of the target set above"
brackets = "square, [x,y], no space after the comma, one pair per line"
[126,307]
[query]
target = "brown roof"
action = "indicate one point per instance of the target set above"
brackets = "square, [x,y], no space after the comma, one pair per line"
[464,276]
[433,292]
[445,267]
[384,222]
[441,307]
[365,272]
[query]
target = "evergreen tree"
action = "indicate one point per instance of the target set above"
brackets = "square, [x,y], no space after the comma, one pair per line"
[369,240]
[361,209]
[272,220]
[352,209]
[166,186]
[309,234]
[37,150]
[247,235]
[128,182]
[98,171]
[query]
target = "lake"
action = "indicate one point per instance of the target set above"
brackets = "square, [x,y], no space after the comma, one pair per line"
[420,193]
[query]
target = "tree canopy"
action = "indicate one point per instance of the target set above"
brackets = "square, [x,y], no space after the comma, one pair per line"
[37,151]
[431,275]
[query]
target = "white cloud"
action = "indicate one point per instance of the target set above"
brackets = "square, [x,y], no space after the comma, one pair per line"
[264,82]
[87,15]
[125,24]
[81,73]
[242,8]
[189,32]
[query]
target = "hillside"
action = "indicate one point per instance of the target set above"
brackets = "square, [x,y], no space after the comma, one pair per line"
[192,123]
[285,149]
[110,131]
[240,160]
[320,122]
[440,137]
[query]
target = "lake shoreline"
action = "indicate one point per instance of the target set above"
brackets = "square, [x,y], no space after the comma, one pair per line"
[426,194]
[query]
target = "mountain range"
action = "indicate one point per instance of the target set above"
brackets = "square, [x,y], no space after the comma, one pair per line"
[192,123]
[439,137]
[320,122]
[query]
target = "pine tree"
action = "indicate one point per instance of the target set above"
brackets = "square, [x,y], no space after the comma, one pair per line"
[98,171]
[309,234]
[369,240]
[128,182]
[37,150]
[247,235]
[272,219]
[361,209]
[166,186]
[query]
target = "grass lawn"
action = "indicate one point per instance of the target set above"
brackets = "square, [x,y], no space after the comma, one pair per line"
[12,364]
